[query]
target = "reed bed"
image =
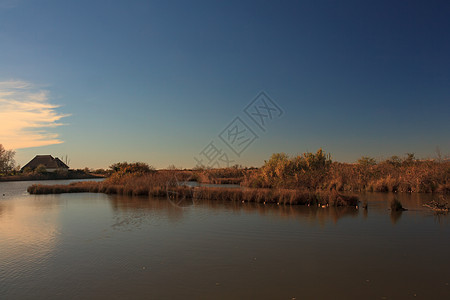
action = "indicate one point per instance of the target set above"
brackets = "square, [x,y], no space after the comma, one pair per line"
[276,196]
[75,187]
[317,172]
[152,185]
[439,205]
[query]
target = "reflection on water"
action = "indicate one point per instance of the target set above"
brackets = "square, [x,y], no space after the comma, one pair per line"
[107,246]
[395,216]
[26,239]
[376,203]
[137,207]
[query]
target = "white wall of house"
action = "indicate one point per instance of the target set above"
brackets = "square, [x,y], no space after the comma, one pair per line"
[51,170]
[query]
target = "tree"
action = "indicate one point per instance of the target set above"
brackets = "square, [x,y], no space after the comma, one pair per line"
[137,167]
[410,158]
[307,170]
[27,170]
[438,154]
[367,161]
[276,168]
[394,160]
[41,169]
[7,162]
[318,161]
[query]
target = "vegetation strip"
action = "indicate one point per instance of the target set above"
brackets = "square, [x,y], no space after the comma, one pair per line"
[308,179]
[439,205]
[308,171]
[269,196]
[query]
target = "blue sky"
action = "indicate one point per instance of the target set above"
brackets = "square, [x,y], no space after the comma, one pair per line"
[157,81]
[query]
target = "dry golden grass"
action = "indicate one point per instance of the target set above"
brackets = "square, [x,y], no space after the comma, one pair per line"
[388,176]
[164,185]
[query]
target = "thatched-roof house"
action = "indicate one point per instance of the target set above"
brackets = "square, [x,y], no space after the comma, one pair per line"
[49,162]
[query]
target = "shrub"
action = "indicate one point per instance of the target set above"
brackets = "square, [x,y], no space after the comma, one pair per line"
[41,169]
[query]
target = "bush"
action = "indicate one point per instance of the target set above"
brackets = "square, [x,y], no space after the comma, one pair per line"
[317,171]
[41,169]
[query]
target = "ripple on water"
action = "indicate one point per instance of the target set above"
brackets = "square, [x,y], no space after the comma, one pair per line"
[94,246]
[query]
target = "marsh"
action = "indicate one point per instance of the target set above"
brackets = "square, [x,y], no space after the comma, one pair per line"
[102,246]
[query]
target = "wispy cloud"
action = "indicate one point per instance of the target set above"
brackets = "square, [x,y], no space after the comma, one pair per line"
[26,116]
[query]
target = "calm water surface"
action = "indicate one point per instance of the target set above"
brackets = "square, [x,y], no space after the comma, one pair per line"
[96,246]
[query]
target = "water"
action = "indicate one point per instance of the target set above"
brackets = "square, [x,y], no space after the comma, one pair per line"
[96,246]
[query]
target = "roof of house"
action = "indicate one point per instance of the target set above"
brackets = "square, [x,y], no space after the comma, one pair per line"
[48,161]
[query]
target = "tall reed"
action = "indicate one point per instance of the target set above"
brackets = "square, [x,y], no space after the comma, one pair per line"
[163,185]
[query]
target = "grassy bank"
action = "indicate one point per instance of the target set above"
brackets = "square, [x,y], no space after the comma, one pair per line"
[163,185]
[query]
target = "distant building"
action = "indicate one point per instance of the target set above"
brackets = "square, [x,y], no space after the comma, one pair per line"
[50,163]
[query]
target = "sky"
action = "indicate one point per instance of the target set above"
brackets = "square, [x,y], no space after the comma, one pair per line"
[217,83]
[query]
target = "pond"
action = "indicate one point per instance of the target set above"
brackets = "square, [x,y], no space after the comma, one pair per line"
[96,246]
